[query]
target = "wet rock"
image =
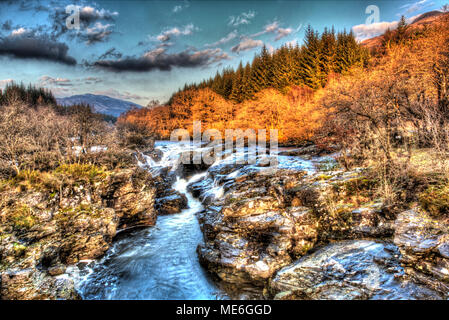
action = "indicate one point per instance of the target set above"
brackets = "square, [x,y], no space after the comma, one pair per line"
[56,270]
[200,187]
[253,247]
[423,242]
[348,270]
[369,222]
[173,203]
[192,162]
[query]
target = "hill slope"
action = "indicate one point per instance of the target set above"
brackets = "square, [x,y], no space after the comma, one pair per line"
[420,22]
[101,104]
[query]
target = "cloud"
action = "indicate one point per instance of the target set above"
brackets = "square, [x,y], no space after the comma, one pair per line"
[111,53]
[281,33]
[90,80]
[231,36]
[98,33]
[120,95]
[19,32]
[4,82]
[30,46]
[243,18]
[366,31]
[159,59]
[179,8]
[60,87]
[50,81]
[92,29]
[90,15]
[247,44]
[175,31]
[277,30]
[416,6]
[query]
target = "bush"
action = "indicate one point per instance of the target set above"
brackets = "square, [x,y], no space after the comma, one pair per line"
[435,200]
[134,136]
[78,172]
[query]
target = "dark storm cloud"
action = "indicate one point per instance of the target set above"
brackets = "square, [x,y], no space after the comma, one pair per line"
[39,47]
[158,59]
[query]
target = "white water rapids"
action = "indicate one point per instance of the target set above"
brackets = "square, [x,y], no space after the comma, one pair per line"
[160,262]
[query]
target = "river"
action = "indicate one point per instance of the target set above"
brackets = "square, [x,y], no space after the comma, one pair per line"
[160,262]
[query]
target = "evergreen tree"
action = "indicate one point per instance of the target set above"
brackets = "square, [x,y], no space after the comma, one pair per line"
[309,65]
[401,31]
[311,72]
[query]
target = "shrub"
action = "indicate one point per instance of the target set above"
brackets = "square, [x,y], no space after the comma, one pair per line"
[435,200]
[87,172]
[23,218]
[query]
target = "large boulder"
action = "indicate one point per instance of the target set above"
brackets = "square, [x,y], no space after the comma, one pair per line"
[253,230]
[174,202]
[131,193]
[424,245]
[348,270]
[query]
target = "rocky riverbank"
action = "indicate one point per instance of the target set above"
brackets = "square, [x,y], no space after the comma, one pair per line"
[58,218]
[317,234]
[301,230]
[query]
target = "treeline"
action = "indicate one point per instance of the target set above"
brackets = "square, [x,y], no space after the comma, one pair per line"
[274,91]
[295,115]
[308,65]
[30,95]
[34,96]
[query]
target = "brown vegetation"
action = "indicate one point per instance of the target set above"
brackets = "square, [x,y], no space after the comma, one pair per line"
[42,136]
[388,113]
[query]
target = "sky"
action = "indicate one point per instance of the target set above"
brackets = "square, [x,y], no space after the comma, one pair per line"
[146,50]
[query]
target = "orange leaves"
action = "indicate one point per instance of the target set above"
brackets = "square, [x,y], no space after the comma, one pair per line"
[296,115]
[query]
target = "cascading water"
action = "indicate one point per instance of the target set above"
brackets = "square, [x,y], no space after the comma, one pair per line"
[161,262]
[158,262]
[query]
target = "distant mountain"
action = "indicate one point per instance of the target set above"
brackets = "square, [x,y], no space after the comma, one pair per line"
[101,104]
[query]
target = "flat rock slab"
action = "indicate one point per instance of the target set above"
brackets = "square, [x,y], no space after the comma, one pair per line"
[348,270]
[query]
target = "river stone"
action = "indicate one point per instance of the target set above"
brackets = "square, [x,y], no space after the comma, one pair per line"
[355,269]
[172,203]
[424,245]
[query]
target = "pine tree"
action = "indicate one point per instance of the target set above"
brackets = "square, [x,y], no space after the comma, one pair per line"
[237,84]
[401,31]
[327,61]
[247,88]
[311,72]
